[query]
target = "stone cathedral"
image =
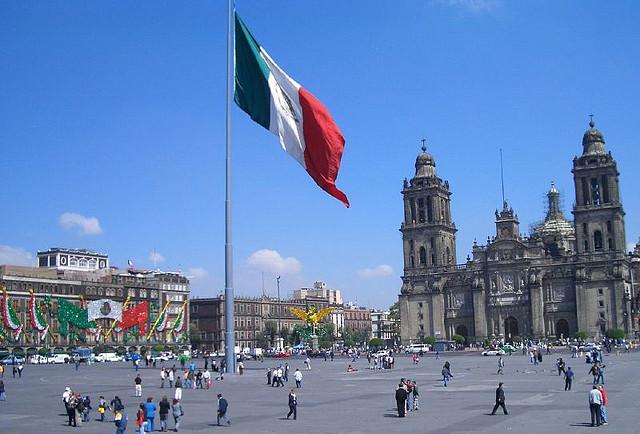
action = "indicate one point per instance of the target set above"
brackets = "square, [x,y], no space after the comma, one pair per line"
[566,276]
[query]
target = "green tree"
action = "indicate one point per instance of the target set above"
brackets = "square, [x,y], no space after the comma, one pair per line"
[582,335]
[458,339]
[270,330]
[430,340]
[376,343]
[615,334]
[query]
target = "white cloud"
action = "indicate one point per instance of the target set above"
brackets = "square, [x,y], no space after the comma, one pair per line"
[15,256]
[631,246]
[156,257]
[84,225]
[197,273]
[379,271]
[474,6]
[271,261]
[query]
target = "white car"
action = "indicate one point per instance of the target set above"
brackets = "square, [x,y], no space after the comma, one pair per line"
[381,353]
[589,347]
[493,353]
[37,359]
[59,358]
[108,357]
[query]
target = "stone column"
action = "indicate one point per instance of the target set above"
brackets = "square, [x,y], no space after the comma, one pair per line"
[479,313]
[537,309]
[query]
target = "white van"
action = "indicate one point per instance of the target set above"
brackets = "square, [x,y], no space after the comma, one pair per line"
[59,358]
[416,348]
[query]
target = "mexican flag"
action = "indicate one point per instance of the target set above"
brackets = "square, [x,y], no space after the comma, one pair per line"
[303,124]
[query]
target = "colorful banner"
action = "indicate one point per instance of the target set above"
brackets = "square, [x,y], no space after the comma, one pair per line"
[69,313]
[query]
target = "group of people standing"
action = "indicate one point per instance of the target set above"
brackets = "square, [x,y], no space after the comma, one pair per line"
[407,397]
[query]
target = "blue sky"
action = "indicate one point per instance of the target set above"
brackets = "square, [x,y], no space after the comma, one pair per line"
[115,112]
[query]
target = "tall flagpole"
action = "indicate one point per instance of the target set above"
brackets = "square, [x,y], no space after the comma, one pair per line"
[229,339]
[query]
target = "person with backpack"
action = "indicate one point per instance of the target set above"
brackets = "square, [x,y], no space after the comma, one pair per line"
[164,412]
[446,373]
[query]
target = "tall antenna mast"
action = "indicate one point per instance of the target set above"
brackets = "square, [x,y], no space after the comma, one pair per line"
[502,176]
[263,284]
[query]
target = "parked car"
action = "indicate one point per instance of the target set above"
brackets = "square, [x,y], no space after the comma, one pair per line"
[282,355]
[507,348]
[498,352]
[59,358]
[12,360]
[37,359]
[108,357]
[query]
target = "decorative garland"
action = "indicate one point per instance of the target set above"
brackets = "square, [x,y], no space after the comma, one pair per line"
[163,323]
[36,317]
[10,317]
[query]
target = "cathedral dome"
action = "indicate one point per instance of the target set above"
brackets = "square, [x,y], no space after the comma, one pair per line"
[592,140]
[425,165]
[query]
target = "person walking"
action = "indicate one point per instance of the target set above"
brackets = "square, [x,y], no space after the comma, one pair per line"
[298,377]
[163,377]
[560,364]
[286,372]
[223,406]
[600,377]
[603,407]
[120,420]
[500,366]
[171,377]
[138,383]
[446,373]
[279,375]
[268,376]
[293,405]
[102,407]
[416,396]
[307,362]
[164,412]
[177,413]
[594,372]
[595,404]
[568,379]
[150,412]
[1,371]
[3,396]
[178,394]
[499,400]
[401,399]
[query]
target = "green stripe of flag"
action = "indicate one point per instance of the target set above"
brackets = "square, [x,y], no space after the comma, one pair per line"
[252,73]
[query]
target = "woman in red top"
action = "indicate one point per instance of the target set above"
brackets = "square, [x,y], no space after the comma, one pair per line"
[140,417]
[603,407]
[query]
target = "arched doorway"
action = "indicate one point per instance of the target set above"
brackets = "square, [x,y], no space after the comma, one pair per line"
[462,331]
[562,329]
[510,327]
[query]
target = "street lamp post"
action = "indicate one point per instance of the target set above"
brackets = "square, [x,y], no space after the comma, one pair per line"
[279,310]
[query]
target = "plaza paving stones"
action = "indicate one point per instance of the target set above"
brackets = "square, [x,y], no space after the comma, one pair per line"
[334,401]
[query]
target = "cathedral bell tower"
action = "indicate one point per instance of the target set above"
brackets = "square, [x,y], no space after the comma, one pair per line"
[428,234]
[598,214]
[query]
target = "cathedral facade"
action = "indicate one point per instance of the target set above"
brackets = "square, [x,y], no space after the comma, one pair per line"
[564,277]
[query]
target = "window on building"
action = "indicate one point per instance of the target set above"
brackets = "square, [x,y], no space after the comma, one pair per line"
[421,210]
[605,189]
[595,191]
[597,240]
[429,209]
[602,315]
[600,291]
[608,226]
[586,245]
[420,304]
[601,303]
[585,192]
[423,256]
[194,308]
[610,244]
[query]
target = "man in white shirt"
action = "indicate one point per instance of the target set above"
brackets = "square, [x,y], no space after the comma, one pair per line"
[595,402]
[298,377]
